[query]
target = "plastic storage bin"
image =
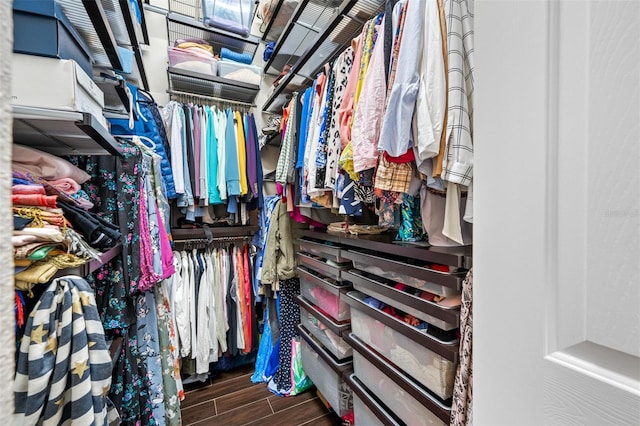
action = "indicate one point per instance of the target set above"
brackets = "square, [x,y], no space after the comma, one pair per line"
[323,249]
[323,266]
[444,317]
[322,328]
[326,373]
[191,60]
[427,360]
[230,15]
[362,415]
[416,275]
[367,408]
[239,72]
[325,294]
[406,407]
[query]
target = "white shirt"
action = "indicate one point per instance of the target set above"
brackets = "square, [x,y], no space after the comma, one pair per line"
[213,307]
[171,115]
[203,320]
[192,303]
[432,95]
[396,135]
[219,281]
[183,322]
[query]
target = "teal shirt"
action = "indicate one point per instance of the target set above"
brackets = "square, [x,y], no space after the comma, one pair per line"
[212,158]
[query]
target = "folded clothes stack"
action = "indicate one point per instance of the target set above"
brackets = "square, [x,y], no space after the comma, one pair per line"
[196,44]
[53,227]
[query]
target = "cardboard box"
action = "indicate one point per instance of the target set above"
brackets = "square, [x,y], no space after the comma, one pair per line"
[41,28]
[55,84]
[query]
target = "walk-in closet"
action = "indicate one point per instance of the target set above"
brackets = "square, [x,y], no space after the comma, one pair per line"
[271,212]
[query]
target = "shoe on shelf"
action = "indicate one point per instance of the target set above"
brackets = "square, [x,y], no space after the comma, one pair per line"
[272,125]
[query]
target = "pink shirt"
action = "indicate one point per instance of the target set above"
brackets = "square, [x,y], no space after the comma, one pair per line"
[346,108]
[369,113]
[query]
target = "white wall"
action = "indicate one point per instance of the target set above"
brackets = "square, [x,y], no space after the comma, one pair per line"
[155,60]
[7,340]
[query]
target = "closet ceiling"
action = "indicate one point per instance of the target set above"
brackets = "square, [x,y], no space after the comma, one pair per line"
[346,23]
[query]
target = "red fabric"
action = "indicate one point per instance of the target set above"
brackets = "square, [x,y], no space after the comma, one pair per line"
[34,200]
[327,301]
[401,286]
[19,311]
[248,299]
[243,308]
[427,296]
[28,189]
[407,157]
[440,268]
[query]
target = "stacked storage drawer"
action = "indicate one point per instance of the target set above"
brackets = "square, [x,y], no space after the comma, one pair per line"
[326,373]
[367,408]
[325,320]
[405,349]
[404,327]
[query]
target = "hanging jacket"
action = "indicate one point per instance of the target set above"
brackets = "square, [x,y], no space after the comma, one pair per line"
[146,125]
[279,256]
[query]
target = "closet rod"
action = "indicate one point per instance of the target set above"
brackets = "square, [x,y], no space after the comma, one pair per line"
[195,243]
[187,96]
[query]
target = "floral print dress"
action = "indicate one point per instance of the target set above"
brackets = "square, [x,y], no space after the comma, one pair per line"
[144,388]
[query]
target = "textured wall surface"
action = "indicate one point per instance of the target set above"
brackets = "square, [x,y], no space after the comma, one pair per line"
[6,257]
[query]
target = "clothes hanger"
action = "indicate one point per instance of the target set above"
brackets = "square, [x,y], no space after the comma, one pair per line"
[141,138]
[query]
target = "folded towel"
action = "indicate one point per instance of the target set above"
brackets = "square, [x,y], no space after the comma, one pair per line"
[45,165]
[67,185]
[243,58]
[28,189]
[34,200]
[195,44]
[63,196]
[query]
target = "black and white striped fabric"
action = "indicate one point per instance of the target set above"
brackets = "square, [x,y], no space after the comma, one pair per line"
[63,371]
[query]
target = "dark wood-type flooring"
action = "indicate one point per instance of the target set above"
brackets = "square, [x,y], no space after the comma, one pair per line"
[231,399]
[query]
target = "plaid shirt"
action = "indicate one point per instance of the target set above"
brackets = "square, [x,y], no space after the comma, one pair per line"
[394,177]
[457,165]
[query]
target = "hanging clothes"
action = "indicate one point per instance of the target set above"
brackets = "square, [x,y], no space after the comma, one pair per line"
[149,350]
[214,301]
[171,380]
[146,125]
[289,316]
[462,405]
[341,70]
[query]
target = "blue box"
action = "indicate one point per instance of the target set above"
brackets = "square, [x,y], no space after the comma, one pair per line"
[41,28]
